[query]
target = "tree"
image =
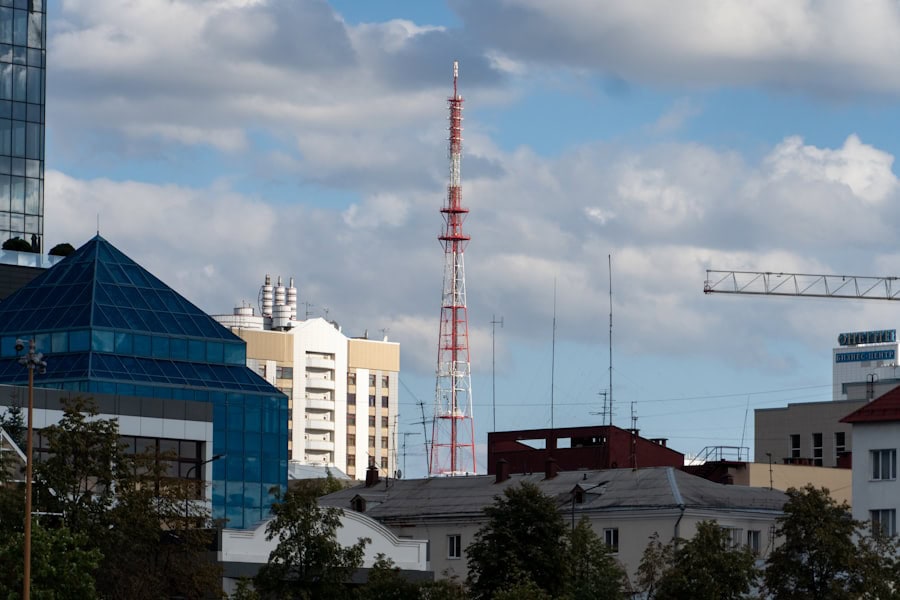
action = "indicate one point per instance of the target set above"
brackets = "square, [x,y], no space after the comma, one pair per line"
[708,567]
[17,244]
[308,561]
[656,560]
[524,538]
[594,572]
[63,249]
[61,564]
[825,553]
[386,583]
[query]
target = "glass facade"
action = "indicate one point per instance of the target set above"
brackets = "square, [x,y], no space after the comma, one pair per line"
[23,35]
[108,326]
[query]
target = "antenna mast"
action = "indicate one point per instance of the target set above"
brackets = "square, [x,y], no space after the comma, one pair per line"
[609,256]
[453,437]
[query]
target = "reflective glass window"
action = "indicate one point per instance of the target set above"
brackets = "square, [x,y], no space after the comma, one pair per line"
[16,165]
[78,341]
[215,353]
[18,139]
[102,341]
[35,30]
[123,343]
[20,89]
[197,350]
[59,341]
[8,345]
[142,345]
[6,25]
[178,349]
[20,27]
[160,346]
[235,354]
[5,133]
[34,135]
[32,198]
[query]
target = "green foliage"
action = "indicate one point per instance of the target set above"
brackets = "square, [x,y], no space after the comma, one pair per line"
[826,554]
[386,583]
[707,567]
[523,590]
[63,249]
[17,244]
[594,573]
[656,560]
[244,590]
[308,561]
[124,510]
[13,423]
[442,589]
[62,563]
[524,539]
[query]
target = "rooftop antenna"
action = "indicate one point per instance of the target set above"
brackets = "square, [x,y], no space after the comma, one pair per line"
[494,323]
[98,223]
[306,307]
[634,432]
[553,355]
[609,256]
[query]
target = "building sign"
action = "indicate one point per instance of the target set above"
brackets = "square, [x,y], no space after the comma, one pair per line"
[845,357]
[867,337]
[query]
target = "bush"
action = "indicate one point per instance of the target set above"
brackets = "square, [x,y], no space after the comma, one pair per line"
[17,244]
[64,249]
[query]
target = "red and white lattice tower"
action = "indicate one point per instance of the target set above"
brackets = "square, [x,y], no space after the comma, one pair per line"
[453,437]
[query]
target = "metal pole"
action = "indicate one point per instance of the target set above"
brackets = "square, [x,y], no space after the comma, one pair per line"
[26,578]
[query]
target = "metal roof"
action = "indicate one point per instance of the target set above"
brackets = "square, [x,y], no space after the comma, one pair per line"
[613,489]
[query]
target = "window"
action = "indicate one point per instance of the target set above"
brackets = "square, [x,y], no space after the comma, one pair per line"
[384,402]
[384,442]
[351,439]
[371,420]
[795,445]
[384,422]
[753,540]
[611,537]
[351,460]
[371,441]
[884,464]
[840,444]
[454,546]
[351,398]
[351,378]
[351,419]
[817,449]
[372,380]
[884,522]
[284,372]
[385,381]
[372,401]
[733,535]
[384,463]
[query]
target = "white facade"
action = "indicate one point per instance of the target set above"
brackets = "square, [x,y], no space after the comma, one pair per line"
[862,362]
[343,415]
[875,484]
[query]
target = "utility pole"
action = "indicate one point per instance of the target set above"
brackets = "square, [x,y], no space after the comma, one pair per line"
[494,323]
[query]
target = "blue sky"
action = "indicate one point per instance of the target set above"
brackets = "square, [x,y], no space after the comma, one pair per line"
[219,141]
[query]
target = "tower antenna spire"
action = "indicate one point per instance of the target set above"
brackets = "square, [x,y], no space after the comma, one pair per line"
[453,437]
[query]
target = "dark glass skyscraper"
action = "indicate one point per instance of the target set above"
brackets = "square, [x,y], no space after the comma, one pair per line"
[23,38]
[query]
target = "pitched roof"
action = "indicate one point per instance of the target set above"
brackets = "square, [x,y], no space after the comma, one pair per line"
[884,409]
[612,489]
[98,286]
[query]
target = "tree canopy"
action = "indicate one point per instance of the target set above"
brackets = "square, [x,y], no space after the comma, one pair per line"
[824,553]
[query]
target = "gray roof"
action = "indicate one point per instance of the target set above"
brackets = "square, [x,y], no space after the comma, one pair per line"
[613,489]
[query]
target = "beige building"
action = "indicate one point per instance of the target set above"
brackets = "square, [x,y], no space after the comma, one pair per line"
[343,392]
[809,433]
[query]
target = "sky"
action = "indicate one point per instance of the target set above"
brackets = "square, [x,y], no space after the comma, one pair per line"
[215,141]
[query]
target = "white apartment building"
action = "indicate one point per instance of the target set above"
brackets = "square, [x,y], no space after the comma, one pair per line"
[343,392]
[864,357]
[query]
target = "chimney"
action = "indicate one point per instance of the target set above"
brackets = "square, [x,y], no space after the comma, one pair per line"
[502,470]
[371,476]
[551,468]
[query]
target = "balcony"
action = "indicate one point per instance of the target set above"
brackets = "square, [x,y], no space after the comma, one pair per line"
[319,425]
[319,383]
[320,445]
[322,403]
[320,362]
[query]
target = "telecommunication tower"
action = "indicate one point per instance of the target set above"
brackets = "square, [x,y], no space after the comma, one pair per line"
[453,436]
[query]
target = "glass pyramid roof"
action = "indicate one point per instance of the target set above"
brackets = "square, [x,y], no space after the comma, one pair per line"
[103,317]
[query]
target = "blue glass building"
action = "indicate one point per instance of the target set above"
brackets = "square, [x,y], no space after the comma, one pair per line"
[23,36]
[110,327]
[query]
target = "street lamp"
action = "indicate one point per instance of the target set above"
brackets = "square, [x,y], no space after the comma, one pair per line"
[188,476]
[31,360]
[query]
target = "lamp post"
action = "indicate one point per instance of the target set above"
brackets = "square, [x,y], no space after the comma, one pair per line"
[31,360]
[188,476]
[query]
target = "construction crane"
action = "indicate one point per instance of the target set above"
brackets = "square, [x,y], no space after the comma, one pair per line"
[765,283]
